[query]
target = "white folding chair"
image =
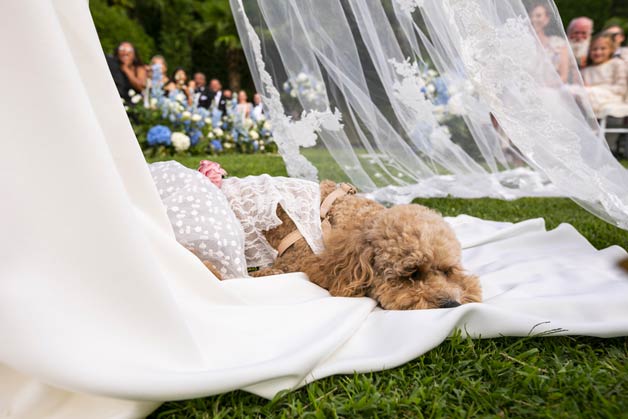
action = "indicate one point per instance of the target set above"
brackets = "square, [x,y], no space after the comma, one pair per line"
[619,111]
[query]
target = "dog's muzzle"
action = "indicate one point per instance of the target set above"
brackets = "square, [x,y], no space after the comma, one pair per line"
[449,304]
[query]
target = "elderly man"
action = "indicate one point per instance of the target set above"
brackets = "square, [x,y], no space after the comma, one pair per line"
[616,32]
[579,33]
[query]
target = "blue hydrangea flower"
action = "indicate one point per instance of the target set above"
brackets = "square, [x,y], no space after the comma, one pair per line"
[442,95]
[158,134]
[195,136]
[217,145]
[216,117]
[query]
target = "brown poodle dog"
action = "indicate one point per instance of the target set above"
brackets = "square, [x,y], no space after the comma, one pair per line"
[405,257]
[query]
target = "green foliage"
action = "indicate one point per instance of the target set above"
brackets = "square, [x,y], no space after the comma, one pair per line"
[199,35]
[603,12]
[114,26]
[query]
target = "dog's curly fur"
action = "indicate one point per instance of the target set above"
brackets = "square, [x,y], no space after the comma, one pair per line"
[405,257]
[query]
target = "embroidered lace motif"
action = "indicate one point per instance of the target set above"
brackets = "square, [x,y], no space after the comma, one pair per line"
[492,58]
[289,135]
[254,201]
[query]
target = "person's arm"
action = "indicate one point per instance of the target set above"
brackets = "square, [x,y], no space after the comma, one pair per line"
[620,78]
[189,91]
[563,64]
[137,76]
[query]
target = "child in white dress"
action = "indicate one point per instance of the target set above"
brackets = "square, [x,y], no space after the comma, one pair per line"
[605,78]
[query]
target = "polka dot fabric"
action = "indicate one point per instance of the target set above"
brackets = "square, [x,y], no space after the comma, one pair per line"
[201,217]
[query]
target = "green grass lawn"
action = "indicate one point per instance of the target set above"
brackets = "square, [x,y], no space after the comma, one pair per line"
[540,377]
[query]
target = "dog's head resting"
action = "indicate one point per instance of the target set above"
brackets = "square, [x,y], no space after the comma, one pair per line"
[407,258]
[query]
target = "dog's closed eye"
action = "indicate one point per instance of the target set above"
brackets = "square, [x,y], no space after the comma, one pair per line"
[417,275]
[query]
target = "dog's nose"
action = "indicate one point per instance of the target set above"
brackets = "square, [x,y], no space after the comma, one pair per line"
[449,304]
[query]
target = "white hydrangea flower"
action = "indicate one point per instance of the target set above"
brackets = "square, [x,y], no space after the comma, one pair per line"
[136,99]
[208,121]
[196,117]
[302,78]
[186,115]
[180,97]
[180,141]
[218,132]
[248,123]
[254,135]
[131,93]
[153,102]
[267,126]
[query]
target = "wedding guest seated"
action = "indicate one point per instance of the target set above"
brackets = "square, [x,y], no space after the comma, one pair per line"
[616,32]
[178,84]
[127,70]
[605,77]
[258,108]
[579,33]
[555,46]
[230,104]
[202,95]
[218,100]
[243,107]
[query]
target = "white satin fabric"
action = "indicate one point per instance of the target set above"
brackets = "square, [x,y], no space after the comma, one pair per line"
[103,314]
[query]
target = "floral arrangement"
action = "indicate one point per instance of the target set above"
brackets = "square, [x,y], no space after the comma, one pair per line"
[165,124]
[307,88]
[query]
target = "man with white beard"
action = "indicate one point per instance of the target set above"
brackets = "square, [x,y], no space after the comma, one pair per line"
[579,33]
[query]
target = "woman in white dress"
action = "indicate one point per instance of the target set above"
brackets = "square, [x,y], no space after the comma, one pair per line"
[605,77]
[243,107]
[555,46]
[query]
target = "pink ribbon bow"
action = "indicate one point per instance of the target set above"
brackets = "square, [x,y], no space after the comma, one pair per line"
[213,171]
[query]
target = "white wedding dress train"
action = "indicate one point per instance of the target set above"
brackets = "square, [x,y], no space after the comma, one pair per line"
[104,315]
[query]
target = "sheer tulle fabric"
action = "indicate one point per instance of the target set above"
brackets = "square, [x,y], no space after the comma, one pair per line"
[408,98]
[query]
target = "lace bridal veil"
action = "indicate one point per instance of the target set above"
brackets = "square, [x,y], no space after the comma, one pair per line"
[420,98]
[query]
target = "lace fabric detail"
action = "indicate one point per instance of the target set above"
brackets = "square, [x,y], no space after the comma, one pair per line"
[409,6]
[201,217]
[492,57]
[254,201]
[289,135]
[408,91]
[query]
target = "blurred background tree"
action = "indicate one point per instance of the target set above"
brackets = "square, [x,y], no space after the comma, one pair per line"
[200,35]
[603,12]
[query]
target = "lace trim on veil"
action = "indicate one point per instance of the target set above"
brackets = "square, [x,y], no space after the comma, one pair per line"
[289,135]
[535,129]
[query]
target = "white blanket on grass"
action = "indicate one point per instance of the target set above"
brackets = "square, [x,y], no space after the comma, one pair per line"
[103,314]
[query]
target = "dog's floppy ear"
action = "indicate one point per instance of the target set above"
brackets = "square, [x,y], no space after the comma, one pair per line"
[345,268]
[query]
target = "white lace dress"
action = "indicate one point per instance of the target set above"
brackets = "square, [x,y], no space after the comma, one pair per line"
[606,84]
[226,226]
[254,201]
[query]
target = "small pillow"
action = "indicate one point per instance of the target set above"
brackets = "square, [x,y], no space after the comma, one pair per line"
[201,217]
